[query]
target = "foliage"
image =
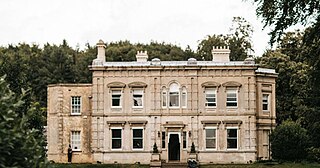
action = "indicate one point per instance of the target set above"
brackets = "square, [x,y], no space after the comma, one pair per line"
[314,154]
[289,141]
[239,41]
[193,148]
[21,145]
[155,148]
[281,14]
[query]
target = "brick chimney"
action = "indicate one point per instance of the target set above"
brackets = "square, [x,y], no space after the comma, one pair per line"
[220,54]
[101,58]
[142,56]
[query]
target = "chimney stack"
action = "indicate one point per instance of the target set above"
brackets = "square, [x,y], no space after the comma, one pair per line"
[220,54]
[142,56]
[101,58]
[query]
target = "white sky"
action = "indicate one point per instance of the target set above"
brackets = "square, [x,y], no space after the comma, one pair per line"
[180,22]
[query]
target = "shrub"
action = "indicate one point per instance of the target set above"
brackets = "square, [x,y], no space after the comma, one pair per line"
[289,142]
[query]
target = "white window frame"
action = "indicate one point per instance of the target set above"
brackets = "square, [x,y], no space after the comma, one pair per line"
[215,138]
[121,139]
[76,108]
[237,130]
[138,92]
[174,92]
[267,102]
[138,128]
[75,138]
[164,99]
[114,92]
[215,97]
[184,97]
[232,90]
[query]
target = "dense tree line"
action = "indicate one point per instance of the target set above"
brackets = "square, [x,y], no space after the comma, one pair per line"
[297,60]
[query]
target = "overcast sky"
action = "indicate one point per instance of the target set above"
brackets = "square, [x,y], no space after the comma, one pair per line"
[180,22]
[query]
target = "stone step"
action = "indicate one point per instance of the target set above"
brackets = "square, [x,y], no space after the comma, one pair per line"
[174,165]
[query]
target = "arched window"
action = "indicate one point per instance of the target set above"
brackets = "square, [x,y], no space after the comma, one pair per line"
[174,95]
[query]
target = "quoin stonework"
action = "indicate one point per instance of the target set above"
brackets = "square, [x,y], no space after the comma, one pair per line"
[225,108]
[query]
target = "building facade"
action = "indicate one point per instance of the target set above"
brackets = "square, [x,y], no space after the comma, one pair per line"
[225,108]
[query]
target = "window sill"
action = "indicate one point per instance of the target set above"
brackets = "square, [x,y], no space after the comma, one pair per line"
[75,114]
[76,150]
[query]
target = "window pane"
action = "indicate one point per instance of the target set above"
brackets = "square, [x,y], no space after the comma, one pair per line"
[184,139]
[232,141]
[137,143]
[210,143]
[116,133]
[164,99]
[75,140]
[75,104]
[163,138]
[265,102]
[137,138]
[210,133]
[116,138]
[174,99]
[137,133]
[184,99]
[116,143]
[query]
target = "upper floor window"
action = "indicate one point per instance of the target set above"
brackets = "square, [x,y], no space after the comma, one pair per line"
[232,97]
[174,95]
[116,98]
[75,105]
[75,140]
[210,94]
[210,138]
[137,98]
[232,138]
[265,102]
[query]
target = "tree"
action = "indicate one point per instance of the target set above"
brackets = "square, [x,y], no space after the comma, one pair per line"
[239,41]
[21,145]
[281,14]
[289,142]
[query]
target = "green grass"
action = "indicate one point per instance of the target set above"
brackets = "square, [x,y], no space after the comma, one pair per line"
[265,165]
[256,165]
[56,165]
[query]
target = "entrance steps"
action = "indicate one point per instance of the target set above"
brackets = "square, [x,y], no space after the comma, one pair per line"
[174,165]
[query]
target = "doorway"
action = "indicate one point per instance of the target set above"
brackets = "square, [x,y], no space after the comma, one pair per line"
[174,147]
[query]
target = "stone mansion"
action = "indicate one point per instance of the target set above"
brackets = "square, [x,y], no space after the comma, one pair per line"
[225,108]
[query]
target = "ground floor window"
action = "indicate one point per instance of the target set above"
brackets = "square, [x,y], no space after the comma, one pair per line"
[116,138]
[137,134]
[210,138]
[232,138]
[75,140]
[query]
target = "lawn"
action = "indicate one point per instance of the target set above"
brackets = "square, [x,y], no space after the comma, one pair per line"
[256,165]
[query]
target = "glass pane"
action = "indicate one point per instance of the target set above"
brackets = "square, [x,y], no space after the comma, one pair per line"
[116,133]
[232,133]
[115,102]
[231,104]
[164,99]
[210,143]
[116,143]
[174,99]
[232,143]
[137,143]
[265,106]
[163,137]
[210,133]
[137,133]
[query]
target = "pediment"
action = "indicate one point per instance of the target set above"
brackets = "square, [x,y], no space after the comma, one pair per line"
[116,85]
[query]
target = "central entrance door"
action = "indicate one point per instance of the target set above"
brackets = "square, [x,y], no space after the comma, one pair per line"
[174,147]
